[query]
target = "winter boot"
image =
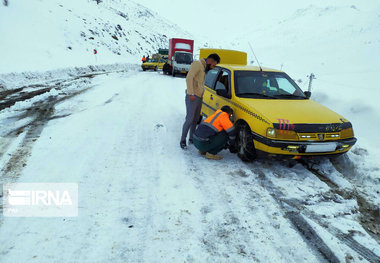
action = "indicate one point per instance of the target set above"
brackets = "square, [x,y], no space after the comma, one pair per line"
[183,145]
[213,156]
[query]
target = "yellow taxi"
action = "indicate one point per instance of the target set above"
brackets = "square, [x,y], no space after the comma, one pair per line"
[272,115]
[154,63]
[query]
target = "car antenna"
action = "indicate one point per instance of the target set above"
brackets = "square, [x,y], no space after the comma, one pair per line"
[255,56]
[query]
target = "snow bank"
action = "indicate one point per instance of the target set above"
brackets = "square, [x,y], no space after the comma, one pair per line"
[18,79]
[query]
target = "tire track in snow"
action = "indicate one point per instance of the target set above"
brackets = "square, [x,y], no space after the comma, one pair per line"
[295,209]
[10,97]
[365,192]
[348,239]
[42,112]
[308,234]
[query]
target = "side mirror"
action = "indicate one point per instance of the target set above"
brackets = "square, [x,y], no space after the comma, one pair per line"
[307,94]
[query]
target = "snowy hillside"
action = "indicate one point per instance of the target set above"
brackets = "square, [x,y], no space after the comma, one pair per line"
[46,34]
[334,41]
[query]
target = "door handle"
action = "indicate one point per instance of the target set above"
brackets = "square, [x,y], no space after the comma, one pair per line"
[211,97]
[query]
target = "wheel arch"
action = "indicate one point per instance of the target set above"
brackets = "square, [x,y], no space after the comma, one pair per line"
[241,122]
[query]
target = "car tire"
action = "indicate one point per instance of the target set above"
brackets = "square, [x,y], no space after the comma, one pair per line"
[173,73]
[244,143]
[144,69]
[165,68]
[156,68]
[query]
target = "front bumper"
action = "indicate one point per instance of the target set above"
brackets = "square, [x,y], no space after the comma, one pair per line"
[307,148]
[180,70]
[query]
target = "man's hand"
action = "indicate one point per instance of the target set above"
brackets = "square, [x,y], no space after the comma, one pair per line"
[192,97]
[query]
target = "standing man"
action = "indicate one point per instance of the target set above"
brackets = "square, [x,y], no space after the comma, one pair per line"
[194,94]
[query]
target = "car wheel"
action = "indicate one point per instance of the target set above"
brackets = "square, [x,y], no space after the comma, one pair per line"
[173,73]
[165,68]
[156,68]
[245,145]
[144,69]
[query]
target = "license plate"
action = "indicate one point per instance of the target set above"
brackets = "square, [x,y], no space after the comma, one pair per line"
[183,71]
[321,147]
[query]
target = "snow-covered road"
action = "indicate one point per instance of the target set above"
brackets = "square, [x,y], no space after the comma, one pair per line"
[143,199]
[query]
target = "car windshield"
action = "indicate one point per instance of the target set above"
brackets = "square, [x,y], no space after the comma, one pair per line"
[275,85]
[183,58]
[153,60]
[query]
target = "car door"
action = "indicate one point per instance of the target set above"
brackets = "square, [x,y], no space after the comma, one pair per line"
[208,105]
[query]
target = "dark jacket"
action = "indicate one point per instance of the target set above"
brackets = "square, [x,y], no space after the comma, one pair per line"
[218,122]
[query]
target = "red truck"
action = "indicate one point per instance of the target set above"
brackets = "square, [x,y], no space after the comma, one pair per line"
[180,56]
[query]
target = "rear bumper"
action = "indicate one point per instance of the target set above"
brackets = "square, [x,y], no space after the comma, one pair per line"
[148,67]
[304,148]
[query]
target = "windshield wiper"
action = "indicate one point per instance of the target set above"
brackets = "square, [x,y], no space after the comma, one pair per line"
[290,96]
[256,94]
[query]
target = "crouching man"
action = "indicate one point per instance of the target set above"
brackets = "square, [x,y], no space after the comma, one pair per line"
[215,134]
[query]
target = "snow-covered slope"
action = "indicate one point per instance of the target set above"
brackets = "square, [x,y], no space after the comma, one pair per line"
[324,39]
[46,34]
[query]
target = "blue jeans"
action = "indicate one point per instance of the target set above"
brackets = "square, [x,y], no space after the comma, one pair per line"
[193,111]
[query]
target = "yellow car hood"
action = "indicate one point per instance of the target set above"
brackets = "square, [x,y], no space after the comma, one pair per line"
[296,111]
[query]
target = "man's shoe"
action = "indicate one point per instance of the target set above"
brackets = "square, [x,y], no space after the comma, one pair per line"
[183,145]
[202,153]
[213,156]
[191,141]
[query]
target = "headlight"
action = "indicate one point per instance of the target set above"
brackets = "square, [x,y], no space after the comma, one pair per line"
[281,134]
[271,133]
[347,133]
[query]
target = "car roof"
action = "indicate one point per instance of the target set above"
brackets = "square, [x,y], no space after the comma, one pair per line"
[234,67]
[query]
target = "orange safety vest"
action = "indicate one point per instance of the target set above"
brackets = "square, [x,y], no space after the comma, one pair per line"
[219,121]
[143,59]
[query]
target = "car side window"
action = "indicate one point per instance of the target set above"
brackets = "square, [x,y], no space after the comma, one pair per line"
[210,77]
[222,85]
[223,79]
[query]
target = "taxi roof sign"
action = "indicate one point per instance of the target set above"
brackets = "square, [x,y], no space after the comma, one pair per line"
[232,57]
